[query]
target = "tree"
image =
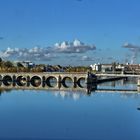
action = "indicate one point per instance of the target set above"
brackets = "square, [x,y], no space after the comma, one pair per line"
[19,65]
[8,64]
[0,59]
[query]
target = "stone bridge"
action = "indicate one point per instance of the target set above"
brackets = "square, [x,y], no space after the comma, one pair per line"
[37,80]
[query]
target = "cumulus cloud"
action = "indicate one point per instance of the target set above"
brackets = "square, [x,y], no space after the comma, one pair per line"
[73,47]
[86,58]
[35,54]
[135,49]
[38,53]
[131,46]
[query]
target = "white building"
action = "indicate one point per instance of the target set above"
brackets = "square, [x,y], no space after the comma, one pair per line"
[96,67]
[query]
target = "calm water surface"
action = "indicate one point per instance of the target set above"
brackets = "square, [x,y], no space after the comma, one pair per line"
[70,115]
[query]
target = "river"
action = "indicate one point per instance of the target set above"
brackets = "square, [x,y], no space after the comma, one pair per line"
[46,114]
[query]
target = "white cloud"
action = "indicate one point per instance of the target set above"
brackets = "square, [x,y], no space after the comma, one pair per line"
[34,54]
[135,49]
[86,58]
[47,53]
[131,46]
[73,47]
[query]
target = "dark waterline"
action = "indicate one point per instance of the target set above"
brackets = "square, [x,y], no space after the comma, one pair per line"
[55,115]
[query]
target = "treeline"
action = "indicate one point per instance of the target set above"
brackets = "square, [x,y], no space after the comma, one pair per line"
[8,66]
[78,69]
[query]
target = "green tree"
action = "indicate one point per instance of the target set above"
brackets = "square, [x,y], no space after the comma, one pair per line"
[8,64]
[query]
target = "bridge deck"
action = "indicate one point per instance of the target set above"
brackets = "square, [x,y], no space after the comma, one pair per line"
[118,75]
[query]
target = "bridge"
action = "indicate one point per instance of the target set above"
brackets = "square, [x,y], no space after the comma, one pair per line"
[117,75]
[46,79]
[56,80]
[121,75]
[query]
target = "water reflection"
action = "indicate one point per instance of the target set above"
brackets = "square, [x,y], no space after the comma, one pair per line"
[126,87]
[69,94]
[129,83]
[73,94]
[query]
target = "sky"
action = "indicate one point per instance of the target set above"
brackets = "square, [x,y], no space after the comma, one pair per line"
[70,32]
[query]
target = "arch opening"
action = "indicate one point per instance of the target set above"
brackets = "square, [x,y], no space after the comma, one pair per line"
[36,81]
[21,81]
[67,82]
[51,81]
[0,80]
[7,80]
[81,82]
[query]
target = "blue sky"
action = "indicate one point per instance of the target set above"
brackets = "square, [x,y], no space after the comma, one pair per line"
[35,25]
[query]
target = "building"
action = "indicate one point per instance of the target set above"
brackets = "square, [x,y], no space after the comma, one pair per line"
[96,67]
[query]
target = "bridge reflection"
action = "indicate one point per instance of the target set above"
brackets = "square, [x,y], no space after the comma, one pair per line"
[64,94]
[73,90]
[76,93]
[69,87]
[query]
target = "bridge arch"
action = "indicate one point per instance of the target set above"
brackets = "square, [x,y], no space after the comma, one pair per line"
[7,80]
[81,82]
[67,81]
[0,80]
[36,81]
[51,81]
[21,81]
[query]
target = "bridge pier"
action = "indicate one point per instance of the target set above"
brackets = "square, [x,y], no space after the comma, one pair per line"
[28,81]
[59,82]
[75,82]
[138,85]
[43,81]
[91,78]
[14,80]
[138,82]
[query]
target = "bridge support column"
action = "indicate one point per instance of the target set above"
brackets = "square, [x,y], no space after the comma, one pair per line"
[138,82]
[59,82]
[28,81]
[87,78]
[91,79]
[14,80]
[75,82]
[43,81]
[138,85]
[0,80]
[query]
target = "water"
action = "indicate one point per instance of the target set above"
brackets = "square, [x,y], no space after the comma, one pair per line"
[43,114]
